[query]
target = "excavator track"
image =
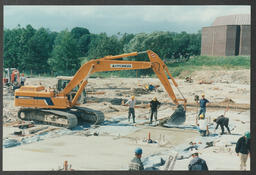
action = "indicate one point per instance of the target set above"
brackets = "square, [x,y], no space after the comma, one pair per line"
[49,117]
[67,119]
[90,115]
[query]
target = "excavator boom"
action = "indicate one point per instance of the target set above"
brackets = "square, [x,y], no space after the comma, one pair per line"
[40,98]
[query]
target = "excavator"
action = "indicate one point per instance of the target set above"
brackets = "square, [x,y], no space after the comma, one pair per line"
[11,79]
[59,108]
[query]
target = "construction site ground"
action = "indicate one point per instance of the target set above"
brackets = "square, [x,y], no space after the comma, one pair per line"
[110,146]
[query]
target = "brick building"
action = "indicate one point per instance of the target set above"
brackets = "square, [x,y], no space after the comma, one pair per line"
[227,36]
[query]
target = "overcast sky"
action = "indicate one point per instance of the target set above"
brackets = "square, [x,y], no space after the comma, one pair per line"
[114,19]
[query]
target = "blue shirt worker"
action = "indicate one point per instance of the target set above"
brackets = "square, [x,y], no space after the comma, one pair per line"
[203,103]
[136,164]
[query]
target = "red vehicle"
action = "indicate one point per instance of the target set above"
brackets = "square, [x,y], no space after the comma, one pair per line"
[11,78]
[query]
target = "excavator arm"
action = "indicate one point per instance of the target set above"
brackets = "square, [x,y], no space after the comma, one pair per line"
[57,108]
[109,63]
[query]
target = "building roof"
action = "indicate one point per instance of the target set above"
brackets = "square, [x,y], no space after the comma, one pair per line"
[238,19]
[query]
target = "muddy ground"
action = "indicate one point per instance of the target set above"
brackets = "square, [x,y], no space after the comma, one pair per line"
[110,146]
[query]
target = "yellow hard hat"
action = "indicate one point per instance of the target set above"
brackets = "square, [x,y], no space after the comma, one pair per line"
[154,98]
[132,97]
[203,95]
[201,116]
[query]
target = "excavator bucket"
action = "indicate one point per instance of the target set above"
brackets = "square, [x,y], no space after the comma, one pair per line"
[178,117]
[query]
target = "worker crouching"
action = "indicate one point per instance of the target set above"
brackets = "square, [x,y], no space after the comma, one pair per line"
[203,125]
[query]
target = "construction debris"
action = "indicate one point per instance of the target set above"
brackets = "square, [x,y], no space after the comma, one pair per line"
[205,82]
[228,100]
[35,130]
[188,80]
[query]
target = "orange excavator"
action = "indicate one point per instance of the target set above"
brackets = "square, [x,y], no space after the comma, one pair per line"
[60,108]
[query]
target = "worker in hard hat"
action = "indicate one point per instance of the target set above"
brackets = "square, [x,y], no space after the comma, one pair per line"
[203,101]
[136,163]
[154,106]
[202,124]
[222,121]
[22,79]
[131,103]
[197,164]
[243,149]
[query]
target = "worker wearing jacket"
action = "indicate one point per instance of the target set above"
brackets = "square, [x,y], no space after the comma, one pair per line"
[154,105]
[197,164]
[136,164]
[222,121]
[243,149]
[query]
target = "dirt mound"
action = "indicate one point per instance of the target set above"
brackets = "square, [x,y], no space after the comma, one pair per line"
[230,76]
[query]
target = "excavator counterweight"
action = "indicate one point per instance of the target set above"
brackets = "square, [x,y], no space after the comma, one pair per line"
[60,107]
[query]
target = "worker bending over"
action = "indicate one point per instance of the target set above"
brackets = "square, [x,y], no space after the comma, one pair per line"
[154,105]
[202,103]
[131,110]
[222,121]
[136,163]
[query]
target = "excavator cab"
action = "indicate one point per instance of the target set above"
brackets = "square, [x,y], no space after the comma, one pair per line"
[63,82]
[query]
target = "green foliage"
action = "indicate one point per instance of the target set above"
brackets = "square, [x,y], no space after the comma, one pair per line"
[101,45]
[82,38]
[64,60]
[42,52]
[39,49]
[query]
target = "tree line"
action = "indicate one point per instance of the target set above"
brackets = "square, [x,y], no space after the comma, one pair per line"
[62,53]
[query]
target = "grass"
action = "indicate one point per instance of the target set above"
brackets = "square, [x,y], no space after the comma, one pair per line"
[209,63]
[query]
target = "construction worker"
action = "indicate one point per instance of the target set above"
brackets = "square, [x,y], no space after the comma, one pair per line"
[197,164]
[243,148]
[202,103]
[203,125]
[131,110]
[154,105]
[222,121]
[136,163]
[22,79]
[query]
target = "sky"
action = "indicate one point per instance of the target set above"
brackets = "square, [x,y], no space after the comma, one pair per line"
[114,19]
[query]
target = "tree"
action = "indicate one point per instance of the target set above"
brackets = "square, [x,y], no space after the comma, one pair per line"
[82,38]
[39,49]
[78,32]
[64,58]
[102,45]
